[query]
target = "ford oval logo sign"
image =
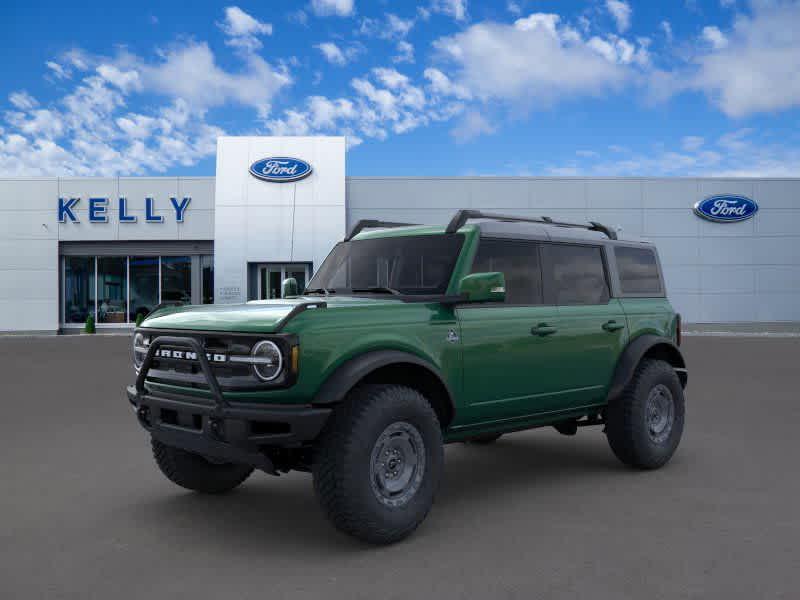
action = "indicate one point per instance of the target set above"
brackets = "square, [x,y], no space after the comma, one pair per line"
[726,209]
[280,169]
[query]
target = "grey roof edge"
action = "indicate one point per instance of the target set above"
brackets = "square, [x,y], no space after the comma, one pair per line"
[423,178]
[561,178]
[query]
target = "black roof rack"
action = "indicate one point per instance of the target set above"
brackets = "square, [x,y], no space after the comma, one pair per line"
[372,224]
[462,216]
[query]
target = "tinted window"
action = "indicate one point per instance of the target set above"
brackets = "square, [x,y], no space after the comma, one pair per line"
[418,264]
[519,262]
[576,274]
[638,271]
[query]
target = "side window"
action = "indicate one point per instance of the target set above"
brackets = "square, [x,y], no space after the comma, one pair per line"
[638,271]
[519,262]
[576,274]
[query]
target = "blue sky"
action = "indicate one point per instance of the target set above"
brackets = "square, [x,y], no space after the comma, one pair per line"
[437,87]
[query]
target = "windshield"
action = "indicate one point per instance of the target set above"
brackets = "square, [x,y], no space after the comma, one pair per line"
[418,264]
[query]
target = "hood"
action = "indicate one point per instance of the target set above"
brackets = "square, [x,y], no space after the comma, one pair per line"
[260,316]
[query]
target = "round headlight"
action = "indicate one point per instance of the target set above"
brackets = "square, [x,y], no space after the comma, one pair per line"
[267,360]
[139,350]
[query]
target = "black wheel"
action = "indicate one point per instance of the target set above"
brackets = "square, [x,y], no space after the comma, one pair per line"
[645,423]
[194,472]
[483,440]
[378,463]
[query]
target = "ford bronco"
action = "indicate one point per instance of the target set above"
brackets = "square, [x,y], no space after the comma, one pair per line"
[406,338]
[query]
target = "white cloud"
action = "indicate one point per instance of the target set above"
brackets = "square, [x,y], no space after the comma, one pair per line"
[666,27]
[453,8]
[398,27]
[336,55]
[537,60]
[58,70]
[391,27]
[339,8]
[692,143]
[191,72]
[243,29]
[758,70]
[471,125]
[385,101]
[621,11]
[441,84]
[405,53]
[715,37]
[127,80]
[91,131]
[514,8]
[735,154]
[22,100]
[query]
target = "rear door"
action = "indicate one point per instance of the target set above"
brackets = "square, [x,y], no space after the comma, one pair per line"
[508,370]
[592,328]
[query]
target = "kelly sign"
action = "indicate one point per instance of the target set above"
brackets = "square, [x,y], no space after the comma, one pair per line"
[99,208]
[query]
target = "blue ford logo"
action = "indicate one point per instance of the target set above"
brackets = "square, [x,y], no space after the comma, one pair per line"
[726,209]
[280,169]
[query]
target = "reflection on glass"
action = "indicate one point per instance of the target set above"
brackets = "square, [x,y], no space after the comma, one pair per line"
[419,264]
[176,279]
[207,269]
[638,272]
[274,284]
[299,274]
[144,285]
[78,288]
[111,289]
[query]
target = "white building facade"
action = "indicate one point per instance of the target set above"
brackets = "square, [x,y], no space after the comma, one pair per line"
[114,248]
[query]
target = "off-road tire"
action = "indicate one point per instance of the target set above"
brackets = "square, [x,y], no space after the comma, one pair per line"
[343,468]
[484,440]
[627,426]
[194,472]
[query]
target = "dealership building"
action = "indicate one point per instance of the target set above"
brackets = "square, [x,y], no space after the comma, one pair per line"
[116,247]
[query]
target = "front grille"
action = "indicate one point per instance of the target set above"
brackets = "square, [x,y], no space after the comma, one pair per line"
[186,372]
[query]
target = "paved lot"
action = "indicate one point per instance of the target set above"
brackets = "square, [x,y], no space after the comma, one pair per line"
[85,514]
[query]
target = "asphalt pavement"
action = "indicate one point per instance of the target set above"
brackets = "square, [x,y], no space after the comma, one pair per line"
[84,512]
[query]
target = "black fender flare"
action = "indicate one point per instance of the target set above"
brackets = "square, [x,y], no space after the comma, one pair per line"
[347,375]
[656,345]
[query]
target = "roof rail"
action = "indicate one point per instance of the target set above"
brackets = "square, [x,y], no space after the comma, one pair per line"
[462,216]
[372,224]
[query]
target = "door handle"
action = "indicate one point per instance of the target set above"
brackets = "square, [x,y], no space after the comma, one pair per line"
[612,325]
[543,329]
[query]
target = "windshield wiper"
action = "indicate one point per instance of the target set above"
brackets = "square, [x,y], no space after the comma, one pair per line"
[377,290]
[319,290]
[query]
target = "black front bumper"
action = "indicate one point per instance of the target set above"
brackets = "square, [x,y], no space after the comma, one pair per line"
[216,428]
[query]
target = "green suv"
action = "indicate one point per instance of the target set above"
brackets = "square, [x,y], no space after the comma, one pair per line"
[406,338]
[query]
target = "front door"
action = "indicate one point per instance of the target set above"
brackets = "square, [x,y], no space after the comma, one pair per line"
[508,348]
[271,276]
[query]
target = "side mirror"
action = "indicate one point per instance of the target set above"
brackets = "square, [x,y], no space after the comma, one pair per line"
[483,287]
[289,288]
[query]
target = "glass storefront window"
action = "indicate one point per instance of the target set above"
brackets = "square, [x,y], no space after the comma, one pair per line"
[207,270]
[127,286]
[112,289]
[78,288]
[144,285]
[176,279]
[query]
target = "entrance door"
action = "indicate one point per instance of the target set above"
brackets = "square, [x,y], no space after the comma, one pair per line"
[271,276]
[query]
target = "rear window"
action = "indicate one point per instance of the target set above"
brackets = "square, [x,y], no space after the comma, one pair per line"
[576,274]
[638,271]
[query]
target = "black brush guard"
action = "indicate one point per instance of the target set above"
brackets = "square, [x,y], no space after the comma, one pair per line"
[219,430]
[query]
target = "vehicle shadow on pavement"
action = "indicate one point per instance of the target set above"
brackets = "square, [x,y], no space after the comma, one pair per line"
[279,515]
